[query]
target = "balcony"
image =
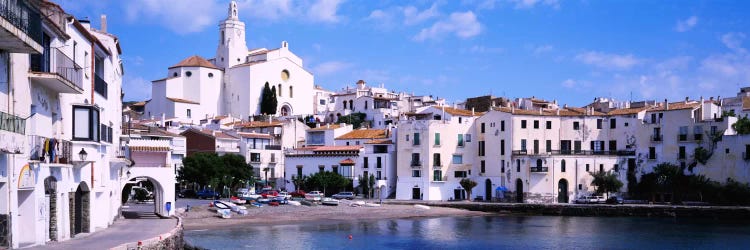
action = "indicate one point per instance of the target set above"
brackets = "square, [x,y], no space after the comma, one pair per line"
[416,163]
[65,76]
[519,152]
[273,147]
[656,138]
[539,169]
[100,86]
[12,123]
[20,28]
[49,150]
[438,178]
[682,137]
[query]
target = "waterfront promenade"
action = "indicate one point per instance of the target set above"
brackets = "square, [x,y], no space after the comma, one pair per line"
[140,223]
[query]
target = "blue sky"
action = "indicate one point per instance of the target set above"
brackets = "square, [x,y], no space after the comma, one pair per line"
[571,51]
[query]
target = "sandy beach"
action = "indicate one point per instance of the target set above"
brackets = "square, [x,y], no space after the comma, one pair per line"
[204,217]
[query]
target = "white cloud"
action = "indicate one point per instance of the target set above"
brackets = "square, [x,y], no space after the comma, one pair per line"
[179,16]
[687,24]
[733,41]
[413,16]
[461,24]
[608,61]
[330,67]
[324,11]
[136,88]
[527,4]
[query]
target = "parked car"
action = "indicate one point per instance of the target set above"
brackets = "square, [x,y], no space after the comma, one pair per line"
[314,196]
[285,194]
[344,195]
[591,199]
[615,200]
[246,194]
[207,193]
[187,193]
[280,199]
[269,193]
[298,194]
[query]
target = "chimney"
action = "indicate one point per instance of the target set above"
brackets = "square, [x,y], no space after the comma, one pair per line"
[85,22]
[666,104]
[558,112]
[472,111]
[103,27]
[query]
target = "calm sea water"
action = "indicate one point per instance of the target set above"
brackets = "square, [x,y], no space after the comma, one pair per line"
[485,232]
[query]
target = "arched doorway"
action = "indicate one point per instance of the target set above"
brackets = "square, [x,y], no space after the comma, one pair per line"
[80,206]
[488,190]
[50,194]
[562,191]
[286,110]
[519,191]
[146,198]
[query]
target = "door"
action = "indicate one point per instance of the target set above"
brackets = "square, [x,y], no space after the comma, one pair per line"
[519,191]
[416,194]
[78,225]
[562,191]
[488,190]
[536,147]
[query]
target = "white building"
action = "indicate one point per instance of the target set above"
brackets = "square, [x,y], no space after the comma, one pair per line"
[232,82]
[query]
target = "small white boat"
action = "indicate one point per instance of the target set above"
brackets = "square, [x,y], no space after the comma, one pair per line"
[238,201]
[224,213]
[295,203]
[421,207]
[357,204]
[330,202]
[372,205]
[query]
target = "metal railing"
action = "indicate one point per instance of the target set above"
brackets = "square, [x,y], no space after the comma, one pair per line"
[416,163]
[538,169]
[50,150]
[100,86]
[20,15]
[439,178]
[593,152]
[12,123]
[273,147]
[64,67]
[520,152]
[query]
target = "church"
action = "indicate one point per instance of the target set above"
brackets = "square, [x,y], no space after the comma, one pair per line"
[232,82]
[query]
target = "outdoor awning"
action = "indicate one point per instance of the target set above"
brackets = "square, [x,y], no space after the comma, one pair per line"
[501,188]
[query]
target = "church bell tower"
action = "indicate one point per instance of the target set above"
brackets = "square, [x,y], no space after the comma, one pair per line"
[232,48]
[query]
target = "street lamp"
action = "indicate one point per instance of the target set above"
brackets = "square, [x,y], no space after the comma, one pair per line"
[82,155]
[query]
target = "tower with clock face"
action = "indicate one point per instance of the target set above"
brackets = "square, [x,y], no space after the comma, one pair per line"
[232,48]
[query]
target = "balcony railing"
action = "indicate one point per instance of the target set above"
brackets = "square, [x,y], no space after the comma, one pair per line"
[63,67]
[416,163]
[273,147]
[656,137]
[255,160]
[519,152]
[50,150]
[20,15]
[682,137]
[587,152]
[12,123]
[539,169]
[438,178]
[100,86]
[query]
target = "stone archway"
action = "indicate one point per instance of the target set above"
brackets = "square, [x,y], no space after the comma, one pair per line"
[562,191]
[163,194]
[285,110]
[80,205]
[50,193]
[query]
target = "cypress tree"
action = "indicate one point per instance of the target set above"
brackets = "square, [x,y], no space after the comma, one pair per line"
[272,101]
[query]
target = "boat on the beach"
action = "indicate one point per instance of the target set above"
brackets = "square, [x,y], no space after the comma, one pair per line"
[372,205]
[330,202]
[357,204]
[236,200]
[224,213]
[294,203]
[421,207]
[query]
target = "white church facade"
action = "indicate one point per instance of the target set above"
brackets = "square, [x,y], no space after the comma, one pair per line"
[232,82]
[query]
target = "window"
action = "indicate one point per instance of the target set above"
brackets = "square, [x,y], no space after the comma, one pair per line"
[576,126]
[502,125]
[549,124]
[299,170]
[518,165]
[601,167]
[617,168]
[188,113]
[626,124]
[379,175]
[468,137]
[549,145]
[536,124]
[460,174]
[683,133]
[502,147]
[460,140]
[523,123]
[254,157]
[210,75]
[613,123]
[407,137]
[85,123]
[523,144]
[335,169]
[458,159]
[378,162]
[437,175]
[502,166]
[380,149]
[481,128]
[365,105]
[416,139]
[598,123]
[536,146]
[322,102]
[344,104]
[587,168]
[580,186]
[365,162]
[416,173]
[436,160]
[321,168]
[613,145]
[437,139]
[577,146]
[562,166]
[651,153]
[280,90]
[481,148]
[188,73]
[415,162]
[481,166]
[681,154]
[291,95]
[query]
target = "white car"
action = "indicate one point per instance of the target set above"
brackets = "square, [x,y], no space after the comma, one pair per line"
[591,199]
[314,196]
[285,194]
[247,194]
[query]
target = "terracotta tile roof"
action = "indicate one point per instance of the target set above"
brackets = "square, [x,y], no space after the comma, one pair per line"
[347,161]
[379,141]
[570,111]
[626,111]
[337,148]
[254,135]
[676,106]
[458,112]
[745,103]
[326,127]
[364,134]
[149,149]
[195,61]
[181,100]
[222,135]
[255,124]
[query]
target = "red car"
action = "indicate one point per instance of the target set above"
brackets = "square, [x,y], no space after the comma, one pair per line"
[269,193]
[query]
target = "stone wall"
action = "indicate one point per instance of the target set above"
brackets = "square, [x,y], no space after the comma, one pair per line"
[170,240]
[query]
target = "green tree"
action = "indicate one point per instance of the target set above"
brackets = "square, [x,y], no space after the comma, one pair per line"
[355,119]
[328,182]
[742,126]
[468,185]
[606,182]
[299,181]
[273,101]
[268,100]
[236,171]
[200,168]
